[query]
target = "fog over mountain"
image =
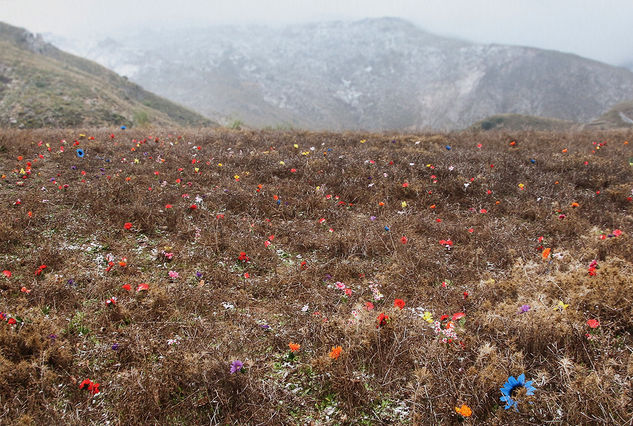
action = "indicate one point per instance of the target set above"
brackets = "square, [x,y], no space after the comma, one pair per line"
[373,74]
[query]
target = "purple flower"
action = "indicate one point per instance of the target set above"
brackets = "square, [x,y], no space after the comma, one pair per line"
[115,347]
[372,218]
[523,309]
[199,274]
[236,366]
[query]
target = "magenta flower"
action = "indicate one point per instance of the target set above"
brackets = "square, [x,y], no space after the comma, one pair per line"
[236,366]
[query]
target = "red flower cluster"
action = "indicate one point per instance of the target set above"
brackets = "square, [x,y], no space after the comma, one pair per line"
[40,269]
[243,257]
[92,387]
[382,320]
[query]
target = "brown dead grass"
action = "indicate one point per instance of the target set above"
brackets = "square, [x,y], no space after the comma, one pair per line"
[175,343]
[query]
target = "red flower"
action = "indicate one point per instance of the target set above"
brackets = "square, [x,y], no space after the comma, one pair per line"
[404,240]
[369,306]
[193,207]
[126,287]
[142,287]
[593,323]
[458,315]
[12,321]
[7,273]
[443,317]
[398,303]
[127,226]
[382,320]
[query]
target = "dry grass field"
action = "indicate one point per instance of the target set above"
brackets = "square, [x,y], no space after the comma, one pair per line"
[237,277]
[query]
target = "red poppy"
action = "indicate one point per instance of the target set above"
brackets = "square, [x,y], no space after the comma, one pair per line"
[404,240]
[142,287]
[6,273]
[443,317]
[126,287]
[12,321]
[369,306]
[127,226]
[398,303]
[168,206]
[193,207]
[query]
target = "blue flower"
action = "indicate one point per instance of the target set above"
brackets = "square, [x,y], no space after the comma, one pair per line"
[80,153]
[510,386]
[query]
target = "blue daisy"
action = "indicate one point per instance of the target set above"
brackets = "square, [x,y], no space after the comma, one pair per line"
[80,153]
[510,386]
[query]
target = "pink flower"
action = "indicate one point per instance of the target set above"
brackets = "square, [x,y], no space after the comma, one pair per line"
[173,274]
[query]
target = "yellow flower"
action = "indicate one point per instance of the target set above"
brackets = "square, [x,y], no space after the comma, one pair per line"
[363,140]
[296,146]
[561,306]
[427,317]
[404,204]
[219,164]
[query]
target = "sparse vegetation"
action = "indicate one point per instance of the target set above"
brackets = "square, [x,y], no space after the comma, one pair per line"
[238,277]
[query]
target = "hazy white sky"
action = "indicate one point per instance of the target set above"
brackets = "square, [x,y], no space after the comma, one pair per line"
[599,29]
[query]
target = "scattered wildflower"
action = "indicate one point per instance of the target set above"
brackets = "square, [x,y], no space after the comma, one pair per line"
[510,388]
[458,316]
[127,226]
[561,306]
[92,387]
[173,274]
[398,303]
[464,410]
[335,352]
[524,308]
[593,323]
[237,366]
[427,316]
[382,320]
[294,347]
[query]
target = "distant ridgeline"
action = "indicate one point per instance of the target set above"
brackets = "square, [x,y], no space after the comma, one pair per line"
[374,74]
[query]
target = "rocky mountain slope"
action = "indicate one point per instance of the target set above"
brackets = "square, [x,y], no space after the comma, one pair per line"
[373,74]
[42,86]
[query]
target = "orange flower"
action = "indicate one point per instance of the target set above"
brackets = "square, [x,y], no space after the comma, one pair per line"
[335,352]
[575,204]
[464,410]
[294,347]
[546,253]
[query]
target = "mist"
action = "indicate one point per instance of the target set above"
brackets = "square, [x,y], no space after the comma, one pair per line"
[597,30]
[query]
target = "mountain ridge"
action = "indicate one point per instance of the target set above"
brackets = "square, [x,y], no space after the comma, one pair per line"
[43,86]
[374,74]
